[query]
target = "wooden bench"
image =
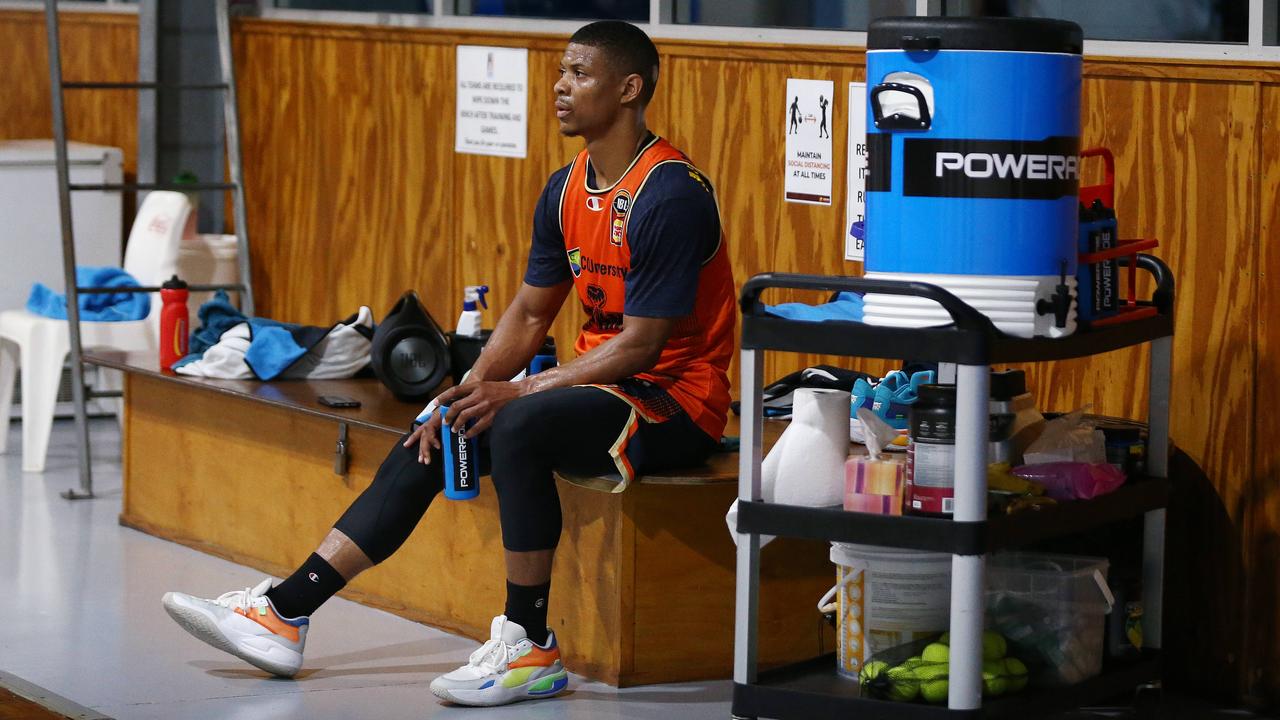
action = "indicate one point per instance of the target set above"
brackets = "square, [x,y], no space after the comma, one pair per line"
[643,581]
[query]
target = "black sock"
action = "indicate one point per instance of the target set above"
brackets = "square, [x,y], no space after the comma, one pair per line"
[527,605]
[306,589]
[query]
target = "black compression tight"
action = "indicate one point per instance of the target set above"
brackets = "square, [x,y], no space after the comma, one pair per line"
[380,520]
[567,429]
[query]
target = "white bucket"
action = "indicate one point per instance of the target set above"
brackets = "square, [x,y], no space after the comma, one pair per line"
[886,597]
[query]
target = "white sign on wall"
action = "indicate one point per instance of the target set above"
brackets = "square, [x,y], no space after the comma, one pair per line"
[810,110]
[855,206]
[493,101]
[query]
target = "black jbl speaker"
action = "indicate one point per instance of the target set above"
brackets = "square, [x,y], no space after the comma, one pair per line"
[410,355]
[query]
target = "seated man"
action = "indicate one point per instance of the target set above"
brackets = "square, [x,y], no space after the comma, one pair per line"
[634,227]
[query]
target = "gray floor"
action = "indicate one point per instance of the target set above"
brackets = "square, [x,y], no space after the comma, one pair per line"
[80,598]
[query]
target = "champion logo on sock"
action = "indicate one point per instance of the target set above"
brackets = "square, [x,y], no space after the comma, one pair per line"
[540,603]
[314,577]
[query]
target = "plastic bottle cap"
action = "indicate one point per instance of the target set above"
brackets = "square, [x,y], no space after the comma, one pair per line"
[174,283]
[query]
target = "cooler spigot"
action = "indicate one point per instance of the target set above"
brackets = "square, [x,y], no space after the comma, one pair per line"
[1059,303]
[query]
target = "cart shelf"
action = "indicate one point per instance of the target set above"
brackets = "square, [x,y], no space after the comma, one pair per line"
[936,534]
[813,690]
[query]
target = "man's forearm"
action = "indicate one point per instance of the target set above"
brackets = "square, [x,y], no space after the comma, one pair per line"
[617,358]
[511,347]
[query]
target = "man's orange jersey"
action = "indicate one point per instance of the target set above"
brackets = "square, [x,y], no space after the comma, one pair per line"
[650,245]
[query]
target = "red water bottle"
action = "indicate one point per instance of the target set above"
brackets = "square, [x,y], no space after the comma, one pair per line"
[174,321]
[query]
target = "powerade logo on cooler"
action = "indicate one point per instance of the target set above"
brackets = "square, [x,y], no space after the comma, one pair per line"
[1011,169]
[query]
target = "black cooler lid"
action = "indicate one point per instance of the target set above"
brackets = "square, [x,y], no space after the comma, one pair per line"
[975,33]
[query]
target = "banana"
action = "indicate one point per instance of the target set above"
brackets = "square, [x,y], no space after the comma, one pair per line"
[999,477]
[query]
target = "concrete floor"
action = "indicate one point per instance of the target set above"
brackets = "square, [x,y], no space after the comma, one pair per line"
[81,600]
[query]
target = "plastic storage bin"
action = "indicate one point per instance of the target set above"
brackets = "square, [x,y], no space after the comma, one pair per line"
[1051,609]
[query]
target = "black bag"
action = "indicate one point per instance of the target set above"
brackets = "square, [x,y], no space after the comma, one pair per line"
[409,354]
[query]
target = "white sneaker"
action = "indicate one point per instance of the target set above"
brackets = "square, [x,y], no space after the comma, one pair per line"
[245,624]
[506,669]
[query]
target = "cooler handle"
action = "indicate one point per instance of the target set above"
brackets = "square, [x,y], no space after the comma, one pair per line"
[898,121]
[963,315]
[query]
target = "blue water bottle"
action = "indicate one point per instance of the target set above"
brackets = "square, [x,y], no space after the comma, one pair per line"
[461,462]
[546,357]
[540,363]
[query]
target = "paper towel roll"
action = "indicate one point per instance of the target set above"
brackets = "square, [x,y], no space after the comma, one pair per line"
[806,465]
[811,466]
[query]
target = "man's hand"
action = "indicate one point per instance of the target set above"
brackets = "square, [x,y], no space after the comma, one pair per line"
[472,406]
[472,402]
[427,436]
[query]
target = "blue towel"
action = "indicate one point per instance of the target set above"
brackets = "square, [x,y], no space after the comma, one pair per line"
[274,347]
[216,317]
[114,307]
[847,306]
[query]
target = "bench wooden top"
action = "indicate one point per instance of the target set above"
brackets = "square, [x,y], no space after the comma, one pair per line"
[380,410]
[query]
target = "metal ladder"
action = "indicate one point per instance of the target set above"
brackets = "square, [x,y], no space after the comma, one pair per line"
[81,394]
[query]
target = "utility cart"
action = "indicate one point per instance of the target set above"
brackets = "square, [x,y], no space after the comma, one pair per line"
[813,690]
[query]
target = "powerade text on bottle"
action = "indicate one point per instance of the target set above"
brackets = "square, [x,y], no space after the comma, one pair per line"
[461,462]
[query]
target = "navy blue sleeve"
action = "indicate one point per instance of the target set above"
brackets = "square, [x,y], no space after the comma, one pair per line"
[673,230]
[548,264]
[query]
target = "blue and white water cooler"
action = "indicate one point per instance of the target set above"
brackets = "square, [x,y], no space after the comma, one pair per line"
[973,132]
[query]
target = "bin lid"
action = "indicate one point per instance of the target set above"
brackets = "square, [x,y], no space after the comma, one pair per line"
[40,152]
[978,33]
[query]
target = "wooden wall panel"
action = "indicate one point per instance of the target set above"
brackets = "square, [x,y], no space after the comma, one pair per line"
[1183,154]
[348,171]
[1261,498]
[100,47]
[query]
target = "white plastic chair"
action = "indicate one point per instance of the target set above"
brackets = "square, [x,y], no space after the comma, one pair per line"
[39,345]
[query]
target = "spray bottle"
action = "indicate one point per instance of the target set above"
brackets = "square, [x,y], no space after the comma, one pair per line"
[469,320]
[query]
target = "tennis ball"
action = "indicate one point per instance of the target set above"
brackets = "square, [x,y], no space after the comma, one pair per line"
[1016,673]
[994,682]
[903,685]
[945,639]
[872,670]
[935,691]
[936,653]
[994,646]
[913,663]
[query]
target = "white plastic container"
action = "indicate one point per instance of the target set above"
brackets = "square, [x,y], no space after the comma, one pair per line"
[209,259]
[886,597]
[1052,610]
[30,230]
